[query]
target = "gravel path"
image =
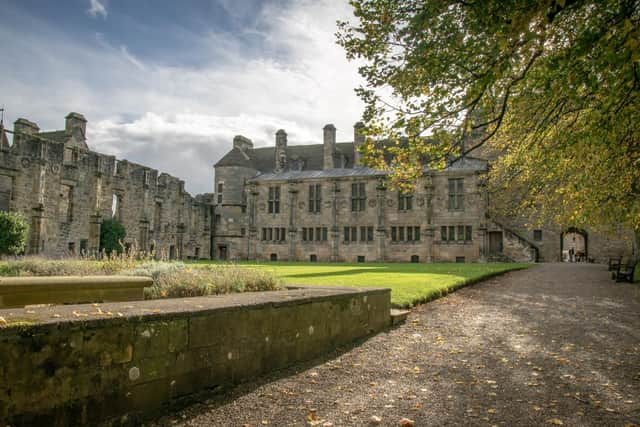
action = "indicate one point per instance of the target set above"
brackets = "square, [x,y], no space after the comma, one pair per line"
[558,344]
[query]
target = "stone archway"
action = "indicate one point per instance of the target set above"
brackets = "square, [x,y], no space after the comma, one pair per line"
[574,245]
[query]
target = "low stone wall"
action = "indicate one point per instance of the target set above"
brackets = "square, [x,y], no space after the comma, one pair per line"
[21,291]
[116,363]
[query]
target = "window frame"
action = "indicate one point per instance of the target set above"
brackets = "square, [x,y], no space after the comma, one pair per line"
[358,196]
[273,200]
[468,233]
[537,235]
[315,198]
[456,194]
[405,201]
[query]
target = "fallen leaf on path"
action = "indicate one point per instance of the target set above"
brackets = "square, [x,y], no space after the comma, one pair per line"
[375,419]
[406,422]
[555,421]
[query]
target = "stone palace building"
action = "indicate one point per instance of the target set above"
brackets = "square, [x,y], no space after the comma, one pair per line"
[318,203]
[280,203]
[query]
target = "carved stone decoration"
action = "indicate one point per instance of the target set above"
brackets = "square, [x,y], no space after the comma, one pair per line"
[390,203]
[262,207]
[26,162]
[420,201]
[301,205]
[343,204]
[327,203]
[55,168]
[372,203]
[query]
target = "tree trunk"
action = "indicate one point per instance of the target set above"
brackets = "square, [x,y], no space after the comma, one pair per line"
[636,244]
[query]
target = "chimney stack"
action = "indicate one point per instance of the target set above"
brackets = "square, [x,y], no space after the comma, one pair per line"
[25,126]
[243,143]
[329,142]
[281,151]
[358,141]
[75,122]
[22,128]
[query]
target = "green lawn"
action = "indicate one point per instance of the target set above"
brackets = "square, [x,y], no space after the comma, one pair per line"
[410,283]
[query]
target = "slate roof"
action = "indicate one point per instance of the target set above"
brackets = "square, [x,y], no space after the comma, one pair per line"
[236,157]
[263,159]
[328,173]
[306,161]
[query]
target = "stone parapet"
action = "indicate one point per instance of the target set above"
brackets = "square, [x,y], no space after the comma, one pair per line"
[117,363]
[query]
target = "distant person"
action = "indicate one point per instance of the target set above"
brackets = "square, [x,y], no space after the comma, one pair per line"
[572,255]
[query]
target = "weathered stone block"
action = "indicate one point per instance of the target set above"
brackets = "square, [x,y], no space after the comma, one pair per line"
[151,339]
[178,335]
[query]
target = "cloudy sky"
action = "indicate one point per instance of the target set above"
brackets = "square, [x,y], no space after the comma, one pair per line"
[169,83]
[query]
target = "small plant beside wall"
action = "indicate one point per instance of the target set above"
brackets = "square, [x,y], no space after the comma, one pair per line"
[112,234]
[14,232]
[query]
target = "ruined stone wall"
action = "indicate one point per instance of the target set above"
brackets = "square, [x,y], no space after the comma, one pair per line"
[65,191]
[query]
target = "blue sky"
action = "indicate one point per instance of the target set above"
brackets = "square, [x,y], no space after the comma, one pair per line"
[169,83]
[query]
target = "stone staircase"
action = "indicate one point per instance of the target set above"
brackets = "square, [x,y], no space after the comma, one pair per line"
[65,231]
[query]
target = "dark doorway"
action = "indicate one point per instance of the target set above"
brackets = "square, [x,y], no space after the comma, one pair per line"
[273,257]
[222,252]
[495,242]
[313,258]
[172,252]
[360,258]
[415,258]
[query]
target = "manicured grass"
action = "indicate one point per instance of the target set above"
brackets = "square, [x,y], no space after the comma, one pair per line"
[410,283]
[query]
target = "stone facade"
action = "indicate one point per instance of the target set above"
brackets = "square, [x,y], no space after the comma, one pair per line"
[317,203]
[66,190]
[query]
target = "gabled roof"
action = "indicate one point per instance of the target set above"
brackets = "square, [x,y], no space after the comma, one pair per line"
[305,157]
[236,157]
[307,161]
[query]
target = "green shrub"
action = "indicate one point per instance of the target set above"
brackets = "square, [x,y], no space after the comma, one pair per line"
[14,232]
[112,234]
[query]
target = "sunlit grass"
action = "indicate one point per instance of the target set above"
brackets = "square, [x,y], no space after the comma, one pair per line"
[410,284]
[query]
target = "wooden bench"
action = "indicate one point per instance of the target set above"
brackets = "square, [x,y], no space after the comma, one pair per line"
[625,273]
[615,263]
[21,291]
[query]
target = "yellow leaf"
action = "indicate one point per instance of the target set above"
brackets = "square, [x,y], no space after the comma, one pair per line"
[555,421]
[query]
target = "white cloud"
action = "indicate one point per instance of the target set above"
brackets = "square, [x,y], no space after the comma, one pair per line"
[181,119]
[96,8]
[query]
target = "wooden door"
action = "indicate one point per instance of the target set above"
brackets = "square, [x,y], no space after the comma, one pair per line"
[495,242]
